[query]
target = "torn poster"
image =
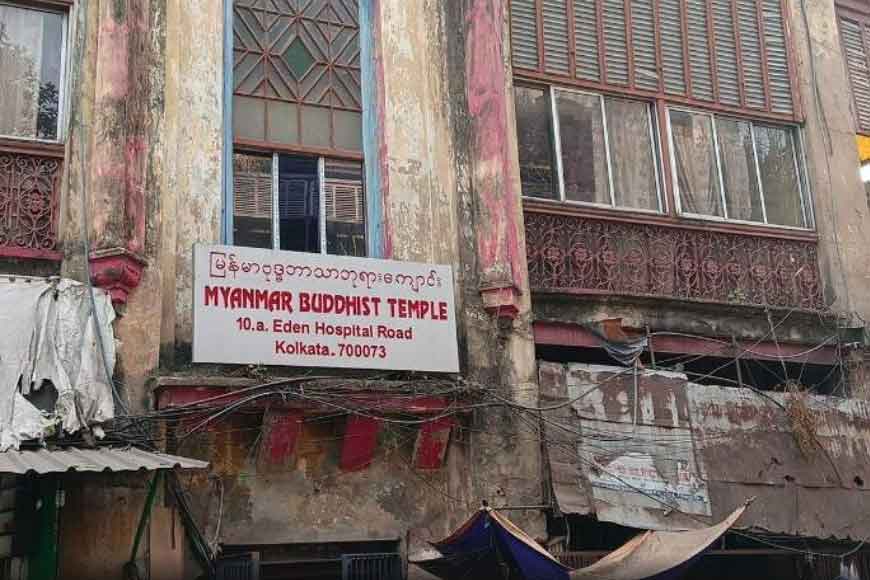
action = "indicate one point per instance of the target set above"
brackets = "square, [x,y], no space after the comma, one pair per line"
[50,341]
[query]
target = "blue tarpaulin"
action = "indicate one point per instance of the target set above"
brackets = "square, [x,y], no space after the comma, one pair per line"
[489,546]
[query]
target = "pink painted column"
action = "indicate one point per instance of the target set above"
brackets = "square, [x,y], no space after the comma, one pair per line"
[495,174]
[118,155]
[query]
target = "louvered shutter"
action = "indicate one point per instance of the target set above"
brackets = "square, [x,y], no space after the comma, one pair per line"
[670,20]
[252,195]
[643,39]
[776,49]
[750,53]
[852,35]
[726,53]
[524,34]
[698,32]
[555,13]
[586,40]
[729,52]
[615,42]
[344,200]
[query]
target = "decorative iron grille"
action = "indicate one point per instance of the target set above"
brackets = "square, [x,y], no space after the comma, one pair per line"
[581,255]
[29,190]
[297,71]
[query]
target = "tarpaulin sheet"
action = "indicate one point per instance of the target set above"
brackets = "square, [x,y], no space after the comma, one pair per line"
[490,546]
[49,335]
[656,555]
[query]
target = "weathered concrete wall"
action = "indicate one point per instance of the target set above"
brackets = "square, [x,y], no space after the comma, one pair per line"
[842,215]
[191,181]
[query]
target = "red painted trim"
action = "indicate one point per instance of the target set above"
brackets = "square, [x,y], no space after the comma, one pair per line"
[30,254]
[179,396]
[501,301]
[572,335]
[117,271]
[283,432]
[559,208]
[432,441]
[360,442]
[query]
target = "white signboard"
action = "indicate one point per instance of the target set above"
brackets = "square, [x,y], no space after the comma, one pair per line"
[256,306]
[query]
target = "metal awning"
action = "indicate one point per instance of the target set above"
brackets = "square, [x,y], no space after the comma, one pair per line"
[76,459]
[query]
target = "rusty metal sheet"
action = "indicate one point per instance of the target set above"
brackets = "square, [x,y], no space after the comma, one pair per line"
[729,444]
[608,394]
[733,422]
[633,456]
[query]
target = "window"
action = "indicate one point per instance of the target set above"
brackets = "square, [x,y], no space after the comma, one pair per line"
[32,46]
[297,110]
[605,150]
[620,122]
[737,170]
[855,38]
[293,202]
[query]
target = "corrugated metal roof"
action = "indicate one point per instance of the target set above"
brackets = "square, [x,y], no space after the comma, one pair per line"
[100,459]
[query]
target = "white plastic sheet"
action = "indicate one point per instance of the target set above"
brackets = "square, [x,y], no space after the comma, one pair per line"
[48,335]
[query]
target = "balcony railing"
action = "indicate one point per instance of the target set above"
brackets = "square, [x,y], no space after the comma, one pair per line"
[29,190]
[590,255]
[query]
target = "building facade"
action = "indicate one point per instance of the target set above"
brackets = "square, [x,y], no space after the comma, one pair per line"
[656,222]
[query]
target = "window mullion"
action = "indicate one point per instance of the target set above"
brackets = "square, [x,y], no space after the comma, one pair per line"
[758,173]
[276,216]
[321,198]
[557,144]
[675,178]
[717,153]
[655,157]
[607,151]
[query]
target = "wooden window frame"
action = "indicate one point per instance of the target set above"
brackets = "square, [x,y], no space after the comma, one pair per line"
[661,102]
[671,214]
[13,143]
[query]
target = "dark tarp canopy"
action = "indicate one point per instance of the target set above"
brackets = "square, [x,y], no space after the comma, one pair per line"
[489,545]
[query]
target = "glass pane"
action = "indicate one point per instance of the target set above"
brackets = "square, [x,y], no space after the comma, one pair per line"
[252,200]
[283,122]
[534,139]
[315,126]
[298,203]
[632,155]
[345,208]
[348,130]
[31,50]
[249,118]
[779,179]
[584,157]
[695,163]
[742,197]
